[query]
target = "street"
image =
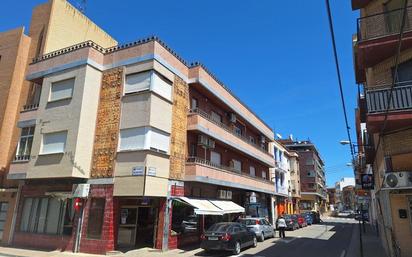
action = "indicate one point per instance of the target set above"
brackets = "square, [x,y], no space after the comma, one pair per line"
[329,239]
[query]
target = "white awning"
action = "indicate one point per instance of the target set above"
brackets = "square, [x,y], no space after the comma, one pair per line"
[228,206]
[202,206]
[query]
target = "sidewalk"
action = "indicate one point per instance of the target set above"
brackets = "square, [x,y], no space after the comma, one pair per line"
[372,246]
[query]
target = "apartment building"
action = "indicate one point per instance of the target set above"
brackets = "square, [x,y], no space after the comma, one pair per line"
[332,198]
[282,175]
[312,175]
[128,146]
[50,24]
[295,187]
[339,186]
[383,129]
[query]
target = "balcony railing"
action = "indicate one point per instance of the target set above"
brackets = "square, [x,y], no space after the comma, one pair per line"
[21,158]
[383,24]
[377,99]
[208,117]
[197,160]
[30,107]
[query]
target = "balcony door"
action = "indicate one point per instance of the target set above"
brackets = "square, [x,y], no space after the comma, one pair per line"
[404,72]
[393,15]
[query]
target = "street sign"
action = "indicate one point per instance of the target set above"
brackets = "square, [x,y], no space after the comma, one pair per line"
[367,181]
[138,171]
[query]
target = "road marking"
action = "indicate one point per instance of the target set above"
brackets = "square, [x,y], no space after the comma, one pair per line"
[343,253]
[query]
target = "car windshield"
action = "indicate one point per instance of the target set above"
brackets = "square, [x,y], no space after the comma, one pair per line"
[219,227]
[248,222]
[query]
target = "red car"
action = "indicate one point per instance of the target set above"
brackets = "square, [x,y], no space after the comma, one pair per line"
[301,221]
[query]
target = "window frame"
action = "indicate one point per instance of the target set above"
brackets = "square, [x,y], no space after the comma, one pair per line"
[55,152]
[50,100]
[27,137]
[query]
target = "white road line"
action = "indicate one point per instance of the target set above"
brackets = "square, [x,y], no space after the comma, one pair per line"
[343,253]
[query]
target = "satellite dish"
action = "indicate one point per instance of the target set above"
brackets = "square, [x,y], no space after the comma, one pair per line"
[392,180]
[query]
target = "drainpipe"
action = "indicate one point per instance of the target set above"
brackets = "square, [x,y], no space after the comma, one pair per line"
[13,220]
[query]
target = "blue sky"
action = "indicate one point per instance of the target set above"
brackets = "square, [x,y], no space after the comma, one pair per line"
[275,55]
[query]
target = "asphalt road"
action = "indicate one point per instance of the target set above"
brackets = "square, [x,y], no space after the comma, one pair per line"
[329,239]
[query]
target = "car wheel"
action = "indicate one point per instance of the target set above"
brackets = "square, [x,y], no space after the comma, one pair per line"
[262,237]
[254,241]
[237,248]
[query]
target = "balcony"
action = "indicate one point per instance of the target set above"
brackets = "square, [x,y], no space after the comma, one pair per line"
[21,158]
[202,121]
[204,171]
[29,112]
[377,36]
[399,111]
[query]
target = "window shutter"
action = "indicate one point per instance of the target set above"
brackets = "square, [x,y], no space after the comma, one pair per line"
[61,89]
[161,86]
[137,82]
[159,140]
[132,139]
[54,142]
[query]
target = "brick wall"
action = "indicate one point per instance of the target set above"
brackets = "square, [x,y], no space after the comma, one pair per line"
[107,241]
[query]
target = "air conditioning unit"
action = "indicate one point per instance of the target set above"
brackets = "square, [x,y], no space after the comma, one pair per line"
[232,117]
[398,179]
[202,140]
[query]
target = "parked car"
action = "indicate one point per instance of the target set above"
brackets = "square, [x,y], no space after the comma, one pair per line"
[301,220]
[228,236]
[315,217]
[308,217]
[262,228]
[291,222]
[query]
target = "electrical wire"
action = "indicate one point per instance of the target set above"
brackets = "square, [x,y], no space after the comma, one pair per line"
[339,78]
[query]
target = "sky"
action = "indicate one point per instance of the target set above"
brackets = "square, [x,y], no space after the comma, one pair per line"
[275,55]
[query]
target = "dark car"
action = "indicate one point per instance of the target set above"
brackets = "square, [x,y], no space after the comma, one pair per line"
[228,236]
[291,222]
[301,220]
[308,217]
[315,217]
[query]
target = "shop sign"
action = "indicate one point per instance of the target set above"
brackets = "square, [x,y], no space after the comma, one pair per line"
[138,171]
[252,198]
[367,181]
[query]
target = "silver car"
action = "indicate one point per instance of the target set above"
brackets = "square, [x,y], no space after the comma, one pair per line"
[260,226]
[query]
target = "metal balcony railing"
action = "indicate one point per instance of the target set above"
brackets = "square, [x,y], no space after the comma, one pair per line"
[377,98]
[30,107]
[21,158]
[208,117]
[383,24]
[197,160]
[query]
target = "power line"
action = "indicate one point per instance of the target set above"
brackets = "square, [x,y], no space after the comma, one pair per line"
[339,77]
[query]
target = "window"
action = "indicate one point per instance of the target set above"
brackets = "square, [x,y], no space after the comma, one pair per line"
[193,150]
[96,215]
[54,142]
[216,117]
[25,142]
[61,90]
[263,174]
[137,82]
[238,131]
[311,173]
[143,138]
[252,140]
[132,139]
[148,80]
[47,215]
[237,165]
[215,158]
[194,104]
[252,171]
[4,207]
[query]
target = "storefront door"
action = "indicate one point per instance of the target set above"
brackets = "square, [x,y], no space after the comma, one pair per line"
[136,227]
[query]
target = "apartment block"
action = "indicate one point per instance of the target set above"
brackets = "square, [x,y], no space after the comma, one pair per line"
[312,175]
[384,118]
[50,26]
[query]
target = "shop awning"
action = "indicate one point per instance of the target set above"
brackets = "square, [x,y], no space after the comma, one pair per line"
[228,206]
[202,206]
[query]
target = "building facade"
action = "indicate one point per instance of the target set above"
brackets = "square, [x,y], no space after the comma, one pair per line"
[282,173]
[128,146]
[383,119]
[312,175]
[50,24]
[295,180]
[339,186]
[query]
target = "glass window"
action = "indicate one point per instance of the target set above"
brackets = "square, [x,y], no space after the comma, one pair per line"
[44,202]
[54,142]
[194,104]
[216,117]
[4,206]
[53,216]
[252,171]
[237,165]
[61,90]
[215,157]
[25,142]
[184,219]
[263,174]
[96,217]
